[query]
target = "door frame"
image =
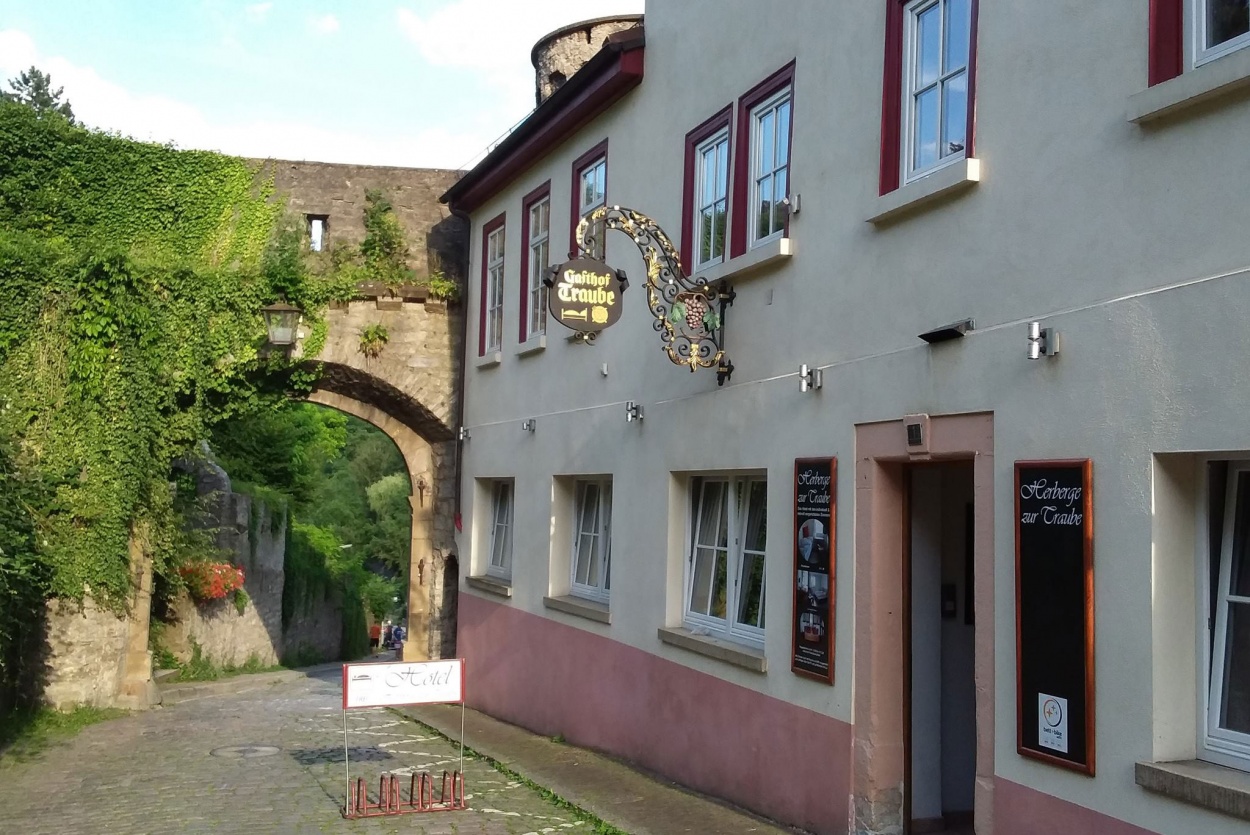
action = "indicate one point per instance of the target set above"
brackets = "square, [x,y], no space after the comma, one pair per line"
[880,773]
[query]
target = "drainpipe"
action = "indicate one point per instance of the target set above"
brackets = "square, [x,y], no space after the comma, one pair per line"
[464,344]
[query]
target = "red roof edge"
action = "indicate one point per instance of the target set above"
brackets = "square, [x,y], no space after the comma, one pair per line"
[610,74]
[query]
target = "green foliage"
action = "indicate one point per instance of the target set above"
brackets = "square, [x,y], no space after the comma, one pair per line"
[27,732]
[202,668]
[391,513]
[24,581]
[283,448]
[307,579]
[241,598]
[442,287]
[33,88]
[384,248]
[373,339]
[304,655]
[378,594]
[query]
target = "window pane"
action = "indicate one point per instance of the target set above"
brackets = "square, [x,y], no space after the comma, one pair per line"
[928,31]
[751,594]
[719,589]
[722,168]
[701,585]
[705,234]
[718,230]
[1226,19]
[710,512]
[707,190]
[956,46]
[1235,700]
[764,221]
[925,137]
[767,134]
[783,134]
[757,517]
[779,198]
[955,114]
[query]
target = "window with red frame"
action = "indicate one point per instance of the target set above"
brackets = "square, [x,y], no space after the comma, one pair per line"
[1218,27]
[490,321]
[928,87]
[761,176]
[705,193]
[590,191]
[536,232]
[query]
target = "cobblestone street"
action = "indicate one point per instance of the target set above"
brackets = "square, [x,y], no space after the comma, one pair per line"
[156,771]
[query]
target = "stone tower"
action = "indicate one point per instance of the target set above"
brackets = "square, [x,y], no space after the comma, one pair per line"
[561,53]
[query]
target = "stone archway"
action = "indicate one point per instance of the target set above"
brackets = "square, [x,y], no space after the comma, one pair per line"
[431,629]
[408,391]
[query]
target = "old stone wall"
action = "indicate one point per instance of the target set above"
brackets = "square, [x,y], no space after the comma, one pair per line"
[255,537]
[557,56]
[315,632]
[85,651]
[436,239]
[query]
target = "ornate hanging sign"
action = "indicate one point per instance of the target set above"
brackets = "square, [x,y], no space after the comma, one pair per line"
[585,296]
[689,313]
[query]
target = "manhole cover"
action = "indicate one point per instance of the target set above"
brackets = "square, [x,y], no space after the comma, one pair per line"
[244,752]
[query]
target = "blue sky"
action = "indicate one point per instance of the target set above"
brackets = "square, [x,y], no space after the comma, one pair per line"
[387,82]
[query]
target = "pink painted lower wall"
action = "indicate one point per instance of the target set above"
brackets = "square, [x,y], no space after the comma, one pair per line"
[780,760]
[1019,810]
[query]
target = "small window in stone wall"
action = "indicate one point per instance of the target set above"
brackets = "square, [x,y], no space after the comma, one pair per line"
[318,226]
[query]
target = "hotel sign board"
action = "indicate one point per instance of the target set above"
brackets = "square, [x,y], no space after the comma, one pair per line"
[585,295]
[1055,612]
[815,563]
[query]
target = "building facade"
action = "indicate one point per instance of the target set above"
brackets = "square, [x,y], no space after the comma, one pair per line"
[960,540]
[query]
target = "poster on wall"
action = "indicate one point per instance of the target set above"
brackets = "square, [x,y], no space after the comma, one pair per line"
[815,551]
[1055,612]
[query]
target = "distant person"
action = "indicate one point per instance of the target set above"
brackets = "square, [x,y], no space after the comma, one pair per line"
[399,634]
[386,634]
[375,635]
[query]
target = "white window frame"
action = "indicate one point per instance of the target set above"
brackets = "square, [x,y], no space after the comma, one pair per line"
[1202,54]
[735,506]
[539,254]
[494,289]
[717,143]
[502,501]
[597,529]
[911,51]
[773,105]
[318,225]
[599,168]
[1215,744]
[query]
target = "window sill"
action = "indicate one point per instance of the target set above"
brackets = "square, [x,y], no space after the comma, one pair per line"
[582,608]
[721,650]
[751,262]
[490,585]
[1222,77]
[941,184]
[489,360]
[1210,786]
[534,345]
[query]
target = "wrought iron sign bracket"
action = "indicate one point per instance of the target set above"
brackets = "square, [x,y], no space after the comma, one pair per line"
[689,314]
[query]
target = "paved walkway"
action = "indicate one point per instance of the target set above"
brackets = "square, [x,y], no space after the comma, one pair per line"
[264,754]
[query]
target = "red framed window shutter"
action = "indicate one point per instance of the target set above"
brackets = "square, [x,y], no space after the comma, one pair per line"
[483,297]
[1167,24]
[720,121]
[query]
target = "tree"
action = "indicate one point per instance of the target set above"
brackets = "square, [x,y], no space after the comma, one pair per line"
[33,88]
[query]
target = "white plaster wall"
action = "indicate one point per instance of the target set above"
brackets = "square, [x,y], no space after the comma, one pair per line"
[1079,219]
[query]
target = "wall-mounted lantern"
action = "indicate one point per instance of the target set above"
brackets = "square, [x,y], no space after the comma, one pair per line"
[281,320]
[810,378]
[1042,341]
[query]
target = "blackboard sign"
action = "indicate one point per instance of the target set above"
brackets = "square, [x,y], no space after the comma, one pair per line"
[1055,612]
[815,558]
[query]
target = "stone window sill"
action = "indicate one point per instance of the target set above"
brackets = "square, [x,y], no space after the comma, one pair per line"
[946,182]
[582,608]
[1210,786]
[490,585]
[489,360]
[755,261]
[1210,82]
[534,345]
[730,653]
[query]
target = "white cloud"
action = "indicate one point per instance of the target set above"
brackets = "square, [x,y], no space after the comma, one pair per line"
[259,12]
[453,35]
[103,104]
[326,24]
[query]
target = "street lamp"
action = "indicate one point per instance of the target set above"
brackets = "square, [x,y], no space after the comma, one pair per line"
[280,320]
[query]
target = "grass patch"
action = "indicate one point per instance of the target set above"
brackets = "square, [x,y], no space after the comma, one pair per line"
[597,825]
[25,733]
[200,668]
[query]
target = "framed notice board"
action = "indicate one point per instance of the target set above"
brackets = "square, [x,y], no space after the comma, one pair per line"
[815,560]
[1055,612]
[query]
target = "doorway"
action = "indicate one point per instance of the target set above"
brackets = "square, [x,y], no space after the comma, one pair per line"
[939,674]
